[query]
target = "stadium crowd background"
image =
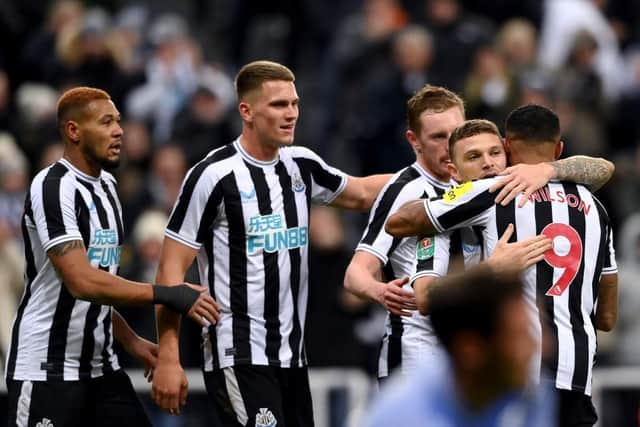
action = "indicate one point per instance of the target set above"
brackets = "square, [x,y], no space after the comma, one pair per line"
[169,67]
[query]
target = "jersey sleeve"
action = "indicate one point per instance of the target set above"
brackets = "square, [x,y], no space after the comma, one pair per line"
[465,205]
[326,181]
[432,256]
[610,266]
[375,239]
[53,203]
[197,206]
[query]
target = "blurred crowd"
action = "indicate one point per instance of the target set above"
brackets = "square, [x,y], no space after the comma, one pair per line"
[169,68]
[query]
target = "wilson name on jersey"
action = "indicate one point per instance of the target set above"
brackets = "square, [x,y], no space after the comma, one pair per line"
[56,336]
[565,284]
[249,221]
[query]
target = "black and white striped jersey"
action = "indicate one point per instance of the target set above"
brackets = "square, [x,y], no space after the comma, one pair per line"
[56,336]
[249,220]
[406,339]
[565,284]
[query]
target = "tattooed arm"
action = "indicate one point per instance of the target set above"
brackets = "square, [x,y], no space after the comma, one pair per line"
[590,171]
[524,178]
[92,284]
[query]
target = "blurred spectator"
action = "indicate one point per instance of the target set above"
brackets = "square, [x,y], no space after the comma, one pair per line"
[563,19]
[35,120]
[14,175]
[360,47]
[204,123]
[457,34]
[625,125]
[39,52]
[517,43]
[490,90]
[580,99]
[333,312]
[50,154]
[380,137]
[162,185]
[171,76]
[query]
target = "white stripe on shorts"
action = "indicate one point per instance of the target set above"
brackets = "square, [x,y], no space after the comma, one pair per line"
[235,396]
[24,403]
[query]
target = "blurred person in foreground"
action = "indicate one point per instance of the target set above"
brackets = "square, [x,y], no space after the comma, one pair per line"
[480,318]
[62,338]
[243,211]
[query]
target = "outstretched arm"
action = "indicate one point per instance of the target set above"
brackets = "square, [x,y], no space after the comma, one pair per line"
[523,178]
[360,193]
[410,220]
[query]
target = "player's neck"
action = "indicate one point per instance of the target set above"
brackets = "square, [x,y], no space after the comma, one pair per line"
[256,149]
[439,176]
[80,162]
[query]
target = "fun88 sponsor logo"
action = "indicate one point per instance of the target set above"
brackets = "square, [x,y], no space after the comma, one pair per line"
[103,249]
[267,233]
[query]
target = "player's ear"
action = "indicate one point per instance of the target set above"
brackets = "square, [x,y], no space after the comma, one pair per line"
[559,148]
[453,171]
[245,112]
[506,142]
[413,141]
[72,131]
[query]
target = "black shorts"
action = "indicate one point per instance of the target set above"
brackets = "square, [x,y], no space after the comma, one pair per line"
[260,396]
[109,400]
[575,409]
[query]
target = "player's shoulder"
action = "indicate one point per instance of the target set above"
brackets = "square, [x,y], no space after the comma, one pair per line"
[297,151]
[108,177]
[217,162]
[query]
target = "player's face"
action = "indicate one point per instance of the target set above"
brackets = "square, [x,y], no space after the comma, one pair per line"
[432,143]
[275,112]
[514,345]
[101,134]
[478,156]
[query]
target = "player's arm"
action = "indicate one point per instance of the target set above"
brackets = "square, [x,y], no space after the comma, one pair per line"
[84,282]
[363,278]
[522,178]
[170,385]
[143,350]
[360,193]
[410,220]
[607,309]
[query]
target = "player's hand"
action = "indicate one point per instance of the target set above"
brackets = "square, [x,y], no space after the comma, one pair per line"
[518,256]
[397,300]
[170,386]
[521,179]
[146,352]
[205,310]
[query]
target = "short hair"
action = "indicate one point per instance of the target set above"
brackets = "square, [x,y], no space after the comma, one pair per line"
[471,301]
[75,100]
[533,124]
[252,75]
[471,128]
[431,98]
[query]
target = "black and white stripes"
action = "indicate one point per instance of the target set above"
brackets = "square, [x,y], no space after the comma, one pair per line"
[56,336]
[249,221]
[562,290]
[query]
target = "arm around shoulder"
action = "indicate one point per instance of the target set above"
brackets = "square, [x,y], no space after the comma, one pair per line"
[360,193]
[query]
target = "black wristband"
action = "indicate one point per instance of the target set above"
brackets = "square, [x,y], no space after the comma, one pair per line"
[178,298]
